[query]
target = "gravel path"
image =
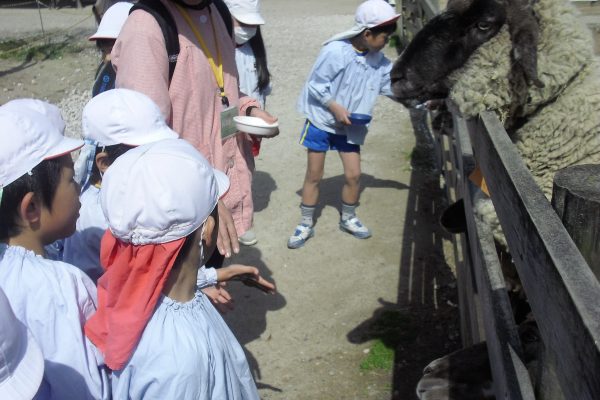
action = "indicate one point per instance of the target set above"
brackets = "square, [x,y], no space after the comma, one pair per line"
[308,341]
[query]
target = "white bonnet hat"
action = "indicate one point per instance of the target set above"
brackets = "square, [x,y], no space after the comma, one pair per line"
[28,137]
[160,192]
[112,21]
[246,11]
[21,360]
[369,14]
[124,116]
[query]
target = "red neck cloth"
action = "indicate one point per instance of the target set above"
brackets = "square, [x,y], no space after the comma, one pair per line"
[127,294]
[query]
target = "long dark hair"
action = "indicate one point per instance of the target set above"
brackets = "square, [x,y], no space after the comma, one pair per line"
[262,71]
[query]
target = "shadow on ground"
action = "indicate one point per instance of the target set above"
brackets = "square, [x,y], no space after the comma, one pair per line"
[330,191]
[249,319]
[423,323]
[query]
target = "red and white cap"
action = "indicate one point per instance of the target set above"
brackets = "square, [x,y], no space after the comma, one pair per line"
[28,137]
[160,192]
[113,20]
[124,116]
[21,360]
[369,14]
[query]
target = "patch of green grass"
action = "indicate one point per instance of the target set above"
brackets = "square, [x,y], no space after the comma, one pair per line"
[380,357]
[36,49]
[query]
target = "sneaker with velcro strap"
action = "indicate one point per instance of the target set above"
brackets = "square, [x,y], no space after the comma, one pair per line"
[355,228]
[301,234]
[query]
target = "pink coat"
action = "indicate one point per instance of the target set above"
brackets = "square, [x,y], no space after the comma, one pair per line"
[191,104]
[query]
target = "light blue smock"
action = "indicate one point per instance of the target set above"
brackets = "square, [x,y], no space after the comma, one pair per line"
[352,79]
[186,352]
[54,299]
[82,249]
[246,66]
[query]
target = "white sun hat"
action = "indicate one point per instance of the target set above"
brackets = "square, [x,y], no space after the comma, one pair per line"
[369,14]
[246,11]
[124,116]
[160,192]
[27,138]
[21,360]
[49,110]
[113,20]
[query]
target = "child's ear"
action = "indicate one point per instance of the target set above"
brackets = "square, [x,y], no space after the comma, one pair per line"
[102,161]
[30,209]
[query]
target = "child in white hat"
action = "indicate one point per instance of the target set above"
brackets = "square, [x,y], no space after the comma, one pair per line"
[349,74]
[21,360]
[251,62]
[116,120]
[105,38]
[158,332]
[38,205]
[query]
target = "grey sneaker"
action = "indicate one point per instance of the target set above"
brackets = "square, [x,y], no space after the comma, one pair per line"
[355,227]
[301,234]
[248,238]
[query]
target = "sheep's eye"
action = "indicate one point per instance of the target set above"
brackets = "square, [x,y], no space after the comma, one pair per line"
[484,26]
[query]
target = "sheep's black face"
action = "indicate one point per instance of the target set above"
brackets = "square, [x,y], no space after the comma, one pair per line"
[443,45]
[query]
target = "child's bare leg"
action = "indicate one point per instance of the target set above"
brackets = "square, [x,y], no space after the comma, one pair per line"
[314,173]
[350,193]
[351,188]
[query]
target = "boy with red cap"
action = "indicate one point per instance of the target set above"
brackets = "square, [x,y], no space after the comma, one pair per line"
[160,334]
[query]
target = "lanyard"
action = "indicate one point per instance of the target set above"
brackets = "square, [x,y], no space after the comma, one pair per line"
[217,69]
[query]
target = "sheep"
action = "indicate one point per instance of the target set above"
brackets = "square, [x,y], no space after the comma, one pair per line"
[532,64]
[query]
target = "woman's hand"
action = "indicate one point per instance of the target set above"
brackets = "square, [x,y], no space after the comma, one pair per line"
[265,116]
[227,240]
[248,275]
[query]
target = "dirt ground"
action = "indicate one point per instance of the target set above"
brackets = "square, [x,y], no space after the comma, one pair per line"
[337,295]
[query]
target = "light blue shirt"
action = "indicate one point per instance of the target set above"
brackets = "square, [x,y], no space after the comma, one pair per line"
[54,300]
[351,79]
[186,352]
[246,66]
[82,249]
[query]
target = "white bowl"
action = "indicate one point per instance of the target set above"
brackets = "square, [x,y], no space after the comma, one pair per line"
[255,126]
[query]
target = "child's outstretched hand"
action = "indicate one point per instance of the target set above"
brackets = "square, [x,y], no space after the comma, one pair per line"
[247,275]
[340,113]
[220,297]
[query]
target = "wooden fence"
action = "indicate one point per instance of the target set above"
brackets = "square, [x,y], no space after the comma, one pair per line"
[563,292]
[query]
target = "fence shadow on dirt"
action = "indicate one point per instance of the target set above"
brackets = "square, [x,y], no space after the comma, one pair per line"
[423,324]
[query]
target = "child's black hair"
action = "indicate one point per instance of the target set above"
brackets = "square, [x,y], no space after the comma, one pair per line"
[262,71]
[112,152]
[43,181]
[387,28]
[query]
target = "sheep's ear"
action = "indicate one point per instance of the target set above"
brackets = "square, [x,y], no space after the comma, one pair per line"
[524,30]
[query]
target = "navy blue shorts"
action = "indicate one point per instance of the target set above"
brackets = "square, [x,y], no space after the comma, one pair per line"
[316,139]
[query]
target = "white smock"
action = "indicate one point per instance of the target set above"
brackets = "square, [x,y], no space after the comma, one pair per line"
[54,299]
[82,249]
[248,79]
[350,78]
[186,352]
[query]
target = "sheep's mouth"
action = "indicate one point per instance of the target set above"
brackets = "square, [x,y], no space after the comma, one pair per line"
[412,96]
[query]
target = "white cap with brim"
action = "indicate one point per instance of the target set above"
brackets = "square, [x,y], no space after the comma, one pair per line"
[27,138]
[160,192]
[113,20]
[21,360]
[368,15]
[246,11]
[124,116]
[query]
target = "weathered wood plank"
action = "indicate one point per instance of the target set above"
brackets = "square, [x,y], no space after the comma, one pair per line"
[563,293]
[576,199]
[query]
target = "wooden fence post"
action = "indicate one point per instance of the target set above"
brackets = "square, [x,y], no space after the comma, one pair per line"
[576,199]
